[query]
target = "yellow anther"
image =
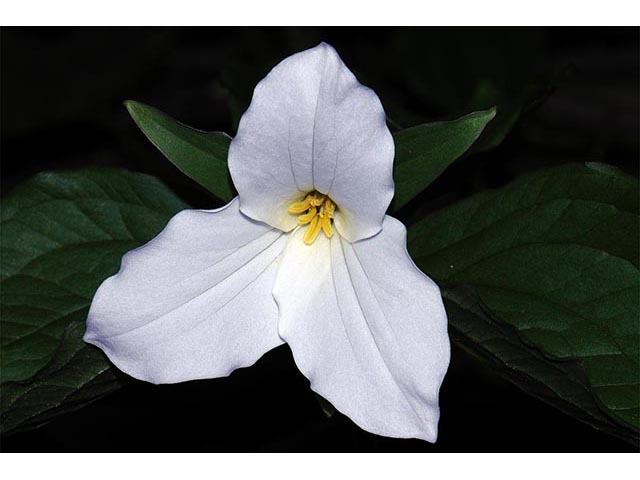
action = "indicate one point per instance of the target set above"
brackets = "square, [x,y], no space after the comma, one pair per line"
[327,228]
[317,210]
[316,199]
[329,208]
[307,217]
[300,207]
[312,232]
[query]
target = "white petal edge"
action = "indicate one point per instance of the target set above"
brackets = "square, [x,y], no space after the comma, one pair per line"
[367,328]
[195,302]
[312,126]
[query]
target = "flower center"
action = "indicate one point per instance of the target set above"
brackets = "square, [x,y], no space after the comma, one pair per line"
[316,210]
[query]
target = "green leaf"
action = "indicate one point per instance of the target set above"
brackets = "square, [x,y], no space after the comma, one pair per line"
[554,255]
[510,108]
[327,408]
[425,151]
[77,375]
[561,384]
[465,70]
[61,236]
[200,155]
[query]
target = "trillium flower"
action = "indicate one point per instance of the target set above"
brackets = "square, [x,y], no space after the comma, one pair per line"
[304,255]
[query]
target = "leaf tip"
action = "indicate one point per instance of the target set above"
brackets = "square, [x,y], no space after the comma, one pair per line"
[131,106]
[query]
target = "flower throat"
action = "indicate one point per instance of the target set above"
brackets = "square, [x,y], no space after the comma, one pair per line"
[317,211]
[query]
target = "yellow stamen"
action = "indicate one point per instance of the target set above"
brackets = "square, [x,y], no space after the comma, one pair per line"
[325,222]
[312,232]
[307,217]
[300,207]
[329,207]
[316,210]
[316,199]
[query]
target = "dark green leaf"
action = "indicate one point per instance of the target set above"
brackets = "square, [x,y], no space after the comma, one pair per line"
[465,70]
[425,151]
[200,155]
[77,375]
[61,235]
[510,108]
[555,255]
[327,408]
[561,384]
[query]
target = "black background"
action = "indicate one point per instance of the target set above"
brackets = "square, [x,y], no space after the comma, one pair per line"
[62,93]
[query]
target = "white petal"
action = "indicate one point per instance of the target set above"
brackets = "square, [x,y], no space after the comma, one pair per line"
[194,302]
[312,126]
[367,328]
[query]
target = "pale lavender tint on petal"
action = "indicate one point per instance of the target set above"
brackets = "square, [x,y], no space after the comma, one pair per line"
[312,126]
[195,302]
[367,328]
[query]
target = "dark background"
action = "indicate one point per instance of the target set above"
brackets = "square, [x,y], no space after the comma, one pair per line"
[563,95]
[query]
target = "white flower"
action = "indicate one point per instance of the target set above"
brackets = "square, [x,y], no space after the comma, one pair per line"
[304,255]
